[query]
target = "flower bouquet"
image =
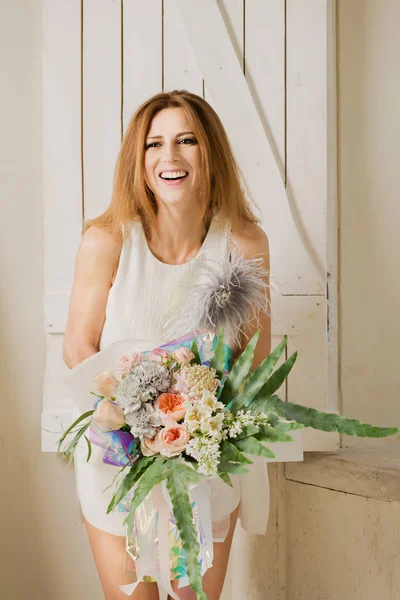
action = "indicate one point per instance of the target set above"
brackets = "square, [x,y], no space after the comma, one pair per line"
[177,416]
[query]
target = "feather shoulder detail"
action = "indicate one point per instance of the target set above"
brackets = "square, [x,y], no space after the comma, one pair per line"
[232,293]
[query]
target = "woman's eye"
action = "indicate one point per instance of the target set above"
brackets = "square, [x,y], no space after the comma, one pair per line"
[189,140]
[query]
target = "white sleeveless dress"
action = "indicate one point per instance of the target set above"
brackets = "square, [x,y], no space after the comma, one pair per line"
[145,293]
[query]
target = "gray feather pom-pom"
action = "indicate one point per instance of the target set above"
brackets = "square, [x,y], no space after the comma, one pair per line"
[229,297]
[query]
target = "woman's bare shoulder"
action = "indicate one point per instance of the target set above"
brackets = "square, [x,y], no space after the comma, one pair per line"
[251,238]
[100,249]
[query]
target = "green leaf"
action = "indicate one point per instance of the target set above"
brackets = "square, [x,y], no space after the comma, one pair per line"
[311,417]
[136,471]
[152,476]
[225,477]
[260,375]
[290,426]
[252,446]
[272,417]
[218,360]
[89,448]
[240,371]
[248,431]
[70,449]
[194,348]
[272,434]
[74,424]
[232,460]
[177,487]
[257,404]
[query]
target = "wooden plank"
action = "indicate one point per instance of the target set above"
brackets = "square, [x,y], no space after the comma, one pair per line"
[306,114]
[372,471]
[232,13]
[181,70]
[231,97]
[56,396]
[143,54]
[332,216]
[307,382]
[55,308]
[101,101]
[62,178]
[62,174]
[265,70]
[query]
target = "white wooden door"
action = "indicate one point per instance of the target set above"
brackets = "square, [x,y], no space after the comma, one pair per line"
[267,67]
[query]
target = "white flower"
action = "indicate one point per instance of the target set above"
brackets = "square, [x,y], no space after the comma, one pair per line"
[195,415]
[236,423]
[213,425]
[211,401]
[206,451]
[235,430]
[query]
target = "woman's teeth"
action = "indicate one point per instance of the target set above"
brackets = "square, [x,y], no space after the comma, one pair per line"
[176,175]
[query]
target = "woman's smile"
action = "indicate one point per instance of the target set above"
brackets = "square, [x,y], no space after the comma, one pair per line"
[174,177]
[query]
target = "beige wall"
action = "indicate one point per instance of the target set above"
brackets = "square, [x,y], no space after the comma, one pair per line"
[369,134]
[44,552]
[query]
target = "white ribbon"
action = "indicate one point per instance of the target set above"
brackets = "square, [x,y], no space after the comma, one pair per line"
[144,565]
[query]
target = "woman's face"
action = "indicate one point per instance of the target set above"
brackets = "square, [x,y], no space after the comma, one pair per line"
[172,159]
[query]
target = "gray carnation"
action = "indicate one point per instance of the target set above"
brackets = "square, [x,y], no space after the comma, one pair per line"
[143,422]
[143,384]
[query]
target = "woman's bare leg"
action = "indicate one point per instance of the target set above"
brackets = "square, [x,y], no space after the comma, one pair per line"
[213,579]
[109,555]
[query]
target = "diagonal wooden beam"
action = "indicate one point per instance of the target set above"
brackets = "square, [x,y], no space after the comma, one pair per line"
[232,99]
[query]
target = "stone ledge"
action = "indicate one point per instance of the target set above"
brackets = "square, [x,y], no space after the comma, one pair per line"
[372,470]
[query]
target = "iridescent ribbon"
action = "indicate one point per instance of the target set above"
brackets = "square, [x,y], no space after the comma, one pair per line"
[151,550]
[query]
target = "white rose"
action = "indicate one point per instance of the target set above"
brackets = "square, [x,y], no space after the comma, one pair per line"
[105,384]
[183,355]
[108,416]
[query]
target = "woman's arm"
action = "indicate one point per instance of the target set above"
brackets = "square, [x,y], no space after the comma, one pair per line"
[256,245]
[95,267]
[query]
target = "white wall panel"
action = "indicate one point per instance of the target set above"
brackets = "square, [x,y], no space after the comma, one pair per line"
[307,120]
[181,70]
[142,57]
[62,175]
[265,71]
[101,101]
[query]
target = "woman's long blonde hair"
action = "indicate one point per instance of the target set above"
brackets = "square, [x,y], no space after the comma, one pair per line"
[221,191]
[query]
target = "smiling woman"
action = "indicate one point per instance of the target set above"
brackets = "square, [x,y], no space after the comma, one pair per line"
[178,195]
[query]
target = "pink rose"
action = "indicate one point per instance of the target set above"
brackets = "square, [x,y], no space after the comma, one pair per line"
[159,355]
[172,440]
[183,355]
[171,407]
[108,416]
[150,447]
[105,384]
[127,361]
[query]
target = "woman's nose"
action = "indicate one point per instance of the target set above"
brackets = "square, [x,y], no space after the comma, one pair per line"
[170,152]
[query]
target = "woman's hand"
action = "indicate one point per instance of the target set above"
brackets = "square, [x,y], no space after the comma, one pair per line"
[95,268]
